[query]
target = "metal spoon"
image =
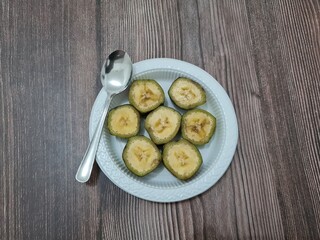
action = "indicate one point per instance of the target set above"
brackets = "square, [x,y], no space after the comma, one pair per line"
[115,77]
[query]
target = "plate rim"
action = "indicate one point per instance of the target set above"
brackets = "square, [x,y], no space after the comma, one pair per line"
[231,127]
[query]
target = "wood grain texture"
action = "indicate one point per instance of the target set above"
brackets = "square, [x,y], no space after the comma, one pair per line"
[266,54]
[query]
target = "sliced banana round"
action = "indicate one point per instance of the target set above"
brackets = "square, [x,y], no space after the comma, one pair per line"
[182,159]
[163,124]
[198,126]
[186,93]
[146,95]
[141,155]
[123,121]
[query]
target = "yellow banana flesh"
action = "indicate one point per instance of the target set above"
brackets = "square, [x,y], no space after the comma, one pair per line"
[143,156]
[198,126]
[186,93]
[163,123]
[182,159]
[124,121]
[146,95]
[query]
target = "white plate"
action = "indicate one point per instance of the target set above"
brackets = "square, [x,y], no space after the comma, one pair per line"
[160,185]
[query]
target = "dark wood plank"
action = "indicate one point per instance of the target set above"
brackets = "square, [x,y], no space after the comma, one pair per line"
[48,84]
[265,54]
[276,80]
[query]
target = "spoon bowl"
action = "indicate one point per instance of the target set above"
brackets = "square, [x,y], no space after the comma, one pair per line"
[116,72]
[115,77]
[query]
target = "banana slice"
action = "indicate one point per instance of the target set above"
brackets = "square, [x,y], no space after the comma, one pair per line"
[141,155]
[198,126]
[182,159]
[123,121]
[163,124]
[146,95]
[186,93]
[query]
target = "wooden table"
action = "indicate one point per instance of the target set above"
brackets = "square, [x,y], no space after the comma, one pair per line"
[266,54]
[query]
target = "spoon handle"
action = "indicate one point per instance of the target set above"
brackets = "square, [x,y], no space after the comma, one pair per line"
[85,168]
